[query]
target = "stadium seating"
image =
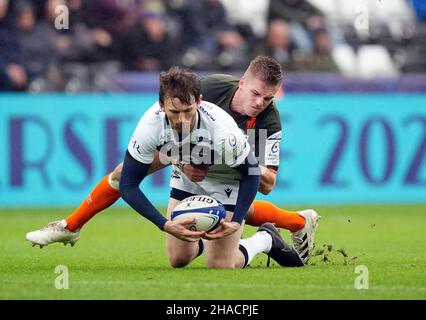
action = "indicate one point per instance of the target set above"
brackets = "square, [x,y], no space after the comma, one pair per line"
[346,59]
[360,32]
[374,60]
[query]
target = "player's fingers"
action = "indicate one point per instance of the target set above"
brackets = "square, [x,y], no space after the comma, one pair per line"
[189,239]
[223,223]
[191,236]
[212,236]
[209,237]
[229,225]
[217,230]
[198,234]
[194,234]
[193,239]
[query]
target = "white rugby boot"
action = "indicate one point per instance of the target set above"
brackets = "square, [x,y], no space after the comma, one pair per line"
[54,232]
[303,239]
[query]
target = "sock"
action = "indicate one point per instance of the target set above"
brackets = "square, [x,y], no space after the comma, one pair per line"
[201,246]
[267,212]
[261,241]
[101,197]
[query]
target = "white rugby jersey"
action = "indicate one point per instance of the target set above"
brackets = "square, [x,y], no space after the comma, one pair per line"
[214,131]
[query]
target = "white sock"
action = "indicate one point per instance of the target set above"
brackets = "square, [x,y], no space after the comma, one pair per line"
[261,241]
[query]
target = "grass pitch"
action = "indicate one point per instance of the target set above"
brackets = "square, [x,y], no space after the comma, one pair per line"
[122,256]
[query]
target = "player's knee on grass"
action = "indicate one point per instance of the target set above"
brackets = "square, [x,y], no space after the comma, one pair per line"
[224,257]
[224,253]
[181,260]
[214,263]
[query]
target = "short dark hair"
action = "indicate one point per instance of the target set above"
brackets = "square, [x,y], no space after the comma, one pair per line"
[266,69]
[179,83]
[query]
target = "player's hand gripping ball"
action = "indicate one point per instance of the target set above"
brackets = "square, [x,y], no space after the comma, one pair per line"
[206,210]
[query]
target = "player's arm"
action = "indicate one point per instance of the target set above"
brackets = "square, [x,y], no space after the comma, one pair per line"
[267,180]
[249,184]
[132,175]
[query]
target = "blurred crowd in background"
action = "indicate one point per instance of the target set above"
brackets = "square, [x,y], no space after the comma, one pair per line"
[105,37]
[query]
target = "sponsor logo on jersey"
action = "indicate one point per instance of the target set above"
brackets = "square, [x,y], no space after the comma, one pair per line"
[228,191]
[272,152]
[232,140]
[275,147]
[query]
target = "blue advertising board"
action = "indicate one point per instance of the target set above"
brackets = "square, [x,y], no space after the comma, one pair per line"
[344,148]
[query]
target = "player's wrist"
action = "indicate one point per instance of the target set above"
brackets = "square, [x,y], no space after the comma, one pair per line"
[166,226]
[236,222]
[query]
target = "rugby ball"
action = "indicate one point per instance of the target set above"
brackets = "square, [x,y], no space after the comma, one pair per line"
[207,212]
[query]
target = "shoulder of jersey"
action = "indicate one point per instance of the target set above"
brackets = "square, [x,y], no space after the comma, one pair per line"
[154,113]
[215,114]
[218,77]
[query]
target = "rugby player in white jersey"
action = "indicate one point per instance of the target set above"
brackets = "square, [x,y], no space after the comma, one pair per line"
[184,128]
[249,101]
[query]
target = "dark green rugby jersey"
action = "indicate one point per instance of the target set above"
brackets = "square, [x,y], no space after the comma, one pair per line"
[220,89]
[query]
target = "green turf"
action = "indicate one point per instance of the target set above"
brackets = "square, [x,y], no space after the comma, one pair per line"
[122,256]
